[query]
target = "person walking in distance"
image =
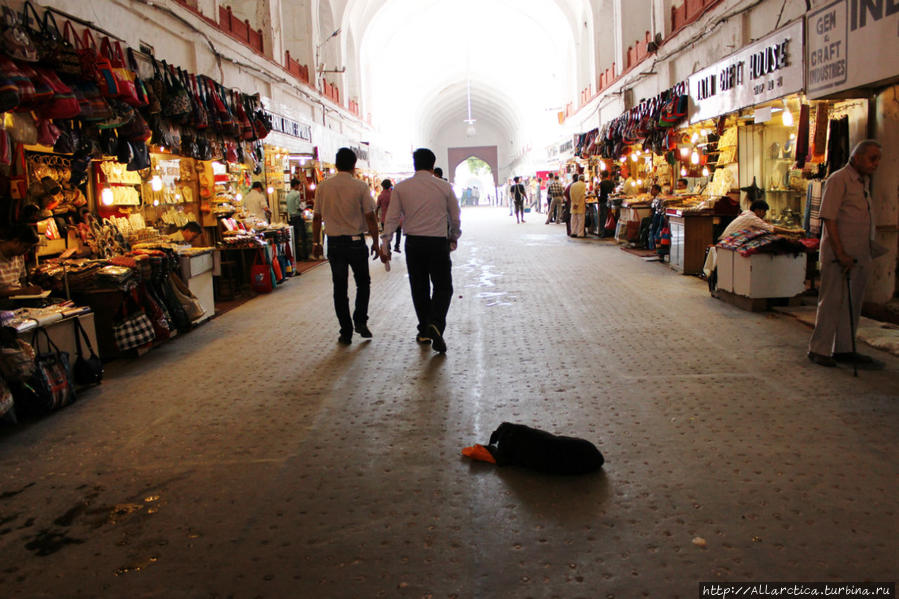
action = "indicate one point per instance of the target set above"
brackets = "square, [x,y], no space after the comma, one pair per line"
[346,207]
[554,192]
[518,195]
[578,194]
[846,258]
[431,216]
[295,208]
[383,204]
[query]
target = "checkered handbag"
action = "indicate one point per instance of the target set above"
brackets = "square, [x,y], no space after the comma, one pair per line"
[134,329]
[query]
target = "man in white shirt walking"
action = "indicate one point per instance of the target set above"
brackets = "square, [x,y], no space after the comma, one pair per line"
[431,217]
[345,205]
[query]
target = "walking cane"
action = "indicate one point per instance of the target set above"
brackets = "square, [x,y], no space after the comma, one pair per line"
[851,322]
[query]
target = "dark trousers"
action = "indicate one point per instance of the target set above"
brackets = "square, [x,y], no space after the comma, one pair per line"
[344,253]
[399,237]
[299,237]
[430,279]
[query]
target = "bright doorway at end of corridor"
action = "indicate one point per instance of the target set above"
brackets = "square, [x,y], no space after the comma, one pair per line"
[473,183]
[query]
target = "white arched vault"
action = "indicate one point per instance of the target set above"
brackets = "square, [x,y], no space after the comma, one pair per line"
[416,58]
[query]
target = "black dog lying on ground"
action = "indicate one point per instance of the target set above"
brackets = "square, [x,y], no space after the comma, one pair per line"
[520,445]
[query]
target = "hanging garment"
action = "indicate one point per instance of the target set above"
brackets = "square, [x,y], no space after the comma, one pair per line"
[838,145]
[812,217]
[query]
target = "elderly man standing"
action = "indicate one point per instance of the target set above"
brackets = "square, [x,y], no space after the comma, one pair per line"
[846,257]
[578,194]
[430,213]
[345,205]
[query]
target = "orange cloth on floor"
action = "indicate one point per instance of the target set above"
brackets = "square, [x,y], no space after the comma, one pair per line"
[478,452]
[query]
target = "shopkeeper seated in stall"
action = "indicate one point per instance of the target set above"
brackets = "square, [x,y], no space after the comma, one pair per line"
[753,220]
[191,233]
[15,242]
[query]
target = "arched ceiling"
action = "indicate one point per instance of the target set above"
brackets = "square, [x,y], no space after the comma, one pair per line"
[417,57]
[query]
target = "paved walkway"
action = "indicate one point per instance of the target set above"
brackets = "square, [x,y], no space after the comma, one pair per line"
[255,457]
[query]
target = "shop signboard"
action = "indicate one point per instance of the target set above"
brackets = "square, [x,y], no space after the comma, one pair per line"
[851,44]
[766,70]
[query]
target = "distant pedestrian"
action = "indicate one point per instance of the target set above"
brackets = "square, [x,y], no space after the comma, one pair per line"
[295,208]
[555,194]
[578,195]
[431,214]
[518,195]
[438,172]
[566,206]
[383,204]
[345,205]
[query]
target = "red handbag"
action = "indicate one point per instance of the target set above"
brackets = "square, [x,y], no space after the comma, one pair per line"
[261,275]
[64,104]
[96,66]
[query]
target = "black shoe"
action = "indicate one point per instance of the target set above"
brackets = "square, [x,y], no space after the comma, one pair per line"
[363,331]
[821,359]
[853,357]
[397,250]
[437,341]
[345,339]
[860,361]
[422,340]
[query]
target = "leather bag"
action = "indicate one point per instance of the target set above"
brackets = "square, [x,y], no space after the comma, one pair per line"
[87,370]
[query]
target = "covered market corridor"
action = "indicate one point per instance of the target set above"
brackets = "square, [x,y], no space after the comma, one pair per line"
[256,457]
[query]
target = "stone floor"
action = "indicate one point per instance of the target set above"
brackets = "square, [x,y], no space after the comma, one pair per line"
[256,457]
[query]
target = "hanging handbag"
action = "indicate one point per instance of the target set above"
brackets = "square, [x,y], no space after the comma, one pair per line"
[200,117]
[68,139]
[9,94]
[140,156]
[16,41]
[176,104]
[24,88]
[188,300]
[155,90]
[64,104]
[134,328]
[127,91]
[50,387]
[86,370]
[96,66]
[47,133]
[261,275]
[59,53]
[140,87]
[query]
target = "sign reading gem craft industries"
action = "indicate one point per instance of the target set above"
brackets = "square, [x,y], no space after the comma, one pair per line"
[851,43]
[766,70]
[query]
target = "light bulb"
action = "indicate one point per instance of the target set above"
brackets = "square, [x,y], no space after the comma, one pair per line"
[792,136]
[786,116]
[639,181]
[634,157]
[271,189]
[703,132]
[312,186]
[162,148]
[602,166]
[156,202]
[694,157]
[156,183]
[238,197]
[705,171]
[683,171]
[622,159]
[684,151]
[106,196]
[694,138]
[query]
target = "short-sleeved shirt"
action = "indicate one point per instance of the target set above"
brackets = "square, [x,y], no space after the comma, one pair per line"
[846,200]
[342,203]
[746,220]
[517,192]
[255,203]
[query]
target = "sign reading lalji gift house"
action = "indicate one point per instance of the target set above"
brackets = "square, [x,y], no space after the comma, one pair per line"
[766,70]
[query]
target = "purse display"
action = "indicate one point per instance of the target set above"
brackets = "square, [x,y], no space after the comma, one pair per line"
[50,386]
